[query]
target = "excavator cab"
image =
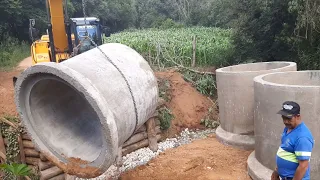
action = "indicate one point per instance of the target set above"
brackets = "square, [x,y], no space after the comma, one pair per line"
[83,29]
[66,37]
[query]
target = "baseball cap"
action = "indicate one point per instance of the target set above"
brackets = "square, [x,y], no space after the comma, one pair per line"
[289,109]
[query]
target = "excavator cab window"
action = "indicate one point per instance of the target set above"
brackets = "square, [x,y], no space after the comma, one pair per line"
[88,30]
[90,25]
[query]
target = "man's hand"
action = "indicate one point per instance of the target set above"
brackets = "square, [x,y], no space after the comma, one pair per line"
[301,170]
[275,176]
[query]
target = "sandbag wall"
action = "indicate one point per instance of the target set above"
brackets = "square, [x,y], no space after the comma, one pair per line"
[146,136]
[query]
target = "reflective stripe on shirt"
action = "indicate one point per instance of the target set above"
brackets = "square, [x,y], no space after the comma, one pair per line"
[303,153]
[287,155]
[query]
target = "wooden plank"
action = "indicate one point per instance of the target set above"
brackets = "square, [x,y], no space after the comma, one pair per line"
[59,177]
[138,145]
[141,129]
[43,158]
[50,173]
[25,136]
[21,148]
[135,138]
[2,148]
[194,47]
[31,153]
[32,161]
[28,144]
[157,121]
[12,124]
[45,165]
[152,135]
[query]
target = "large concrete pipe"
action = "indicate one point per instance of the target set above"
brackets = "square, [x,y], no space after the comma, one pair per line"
[236,102]
[79,112]
[271,90]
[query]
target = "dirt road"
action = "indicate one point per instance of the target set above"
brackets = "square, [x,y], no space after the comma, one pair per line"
[7,105]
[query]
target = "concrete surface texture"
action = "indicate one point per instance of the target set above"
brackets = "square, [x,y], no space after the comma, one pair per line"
[271,90]
[236,100]
[80,111]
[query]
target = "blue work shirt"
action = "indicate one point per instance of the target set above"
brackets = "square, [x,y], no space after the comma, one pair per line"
[295,145]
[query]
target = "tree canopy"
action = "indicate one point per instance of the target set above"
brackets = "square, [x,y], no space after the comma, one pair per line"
[266,30]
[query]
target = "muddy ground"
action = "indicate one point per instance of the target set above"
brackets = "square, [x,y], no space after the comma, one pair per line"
[201,160]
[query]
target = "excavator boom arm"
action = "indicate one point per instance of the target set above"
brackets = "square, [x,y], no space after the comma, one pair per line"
[56,13]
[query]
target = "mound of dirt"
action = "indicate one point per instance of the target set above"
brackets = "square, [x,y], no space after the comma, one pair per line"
[205,159]
[186,104]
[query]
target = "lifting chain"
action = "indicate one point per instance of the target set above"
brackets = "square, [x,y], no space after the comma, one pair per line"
[105,55]
[84,7]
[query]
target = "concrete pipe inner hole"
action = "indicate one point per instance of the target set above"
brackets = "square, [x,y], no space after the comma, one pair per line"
[300,78]
[65,120]
[256,66]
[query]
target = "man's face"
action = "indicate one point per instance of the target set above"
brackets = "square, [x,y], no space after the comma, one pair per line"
[291,123]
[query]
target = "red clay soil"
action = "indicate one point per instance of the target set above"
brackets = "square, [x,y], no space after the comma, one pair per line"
[205,159]
[7,105]
[187,104]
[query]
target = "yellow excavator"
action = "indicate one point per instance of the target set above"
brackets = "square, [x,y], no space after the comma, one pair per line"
[65,37]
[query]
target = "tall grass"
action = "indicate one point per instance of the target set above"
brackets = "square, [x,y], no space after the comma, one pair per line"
[160,47]
[12,52]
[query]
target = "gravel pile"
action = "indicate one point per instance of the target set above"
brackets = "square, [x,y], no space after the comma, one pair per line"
[144,155]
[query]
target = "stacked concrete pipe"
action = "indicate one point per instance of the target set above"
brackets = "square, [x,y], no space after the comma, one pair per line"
[271,90]
[236,100]
[79,112]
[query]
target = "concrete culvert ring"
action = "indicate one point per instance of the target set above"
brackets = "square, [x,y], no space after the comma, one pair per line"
[73,137]
[95,102]
[256,67]
[236,100]
[270,91]
[77,117]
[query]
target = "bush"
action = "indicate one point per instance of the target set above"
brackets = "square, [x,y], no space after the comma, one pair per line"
[165,117]
[205,84]
[12,52]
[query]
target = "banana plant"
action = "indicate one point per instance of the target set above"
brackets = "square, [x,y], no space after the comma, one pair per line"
[18,170]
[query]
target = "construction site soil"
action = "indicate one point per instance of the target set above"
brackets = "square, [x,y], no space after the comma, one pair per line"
[205,159]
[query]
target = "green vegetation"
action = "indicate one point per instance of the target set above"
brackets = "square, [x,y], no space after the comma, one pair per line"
[164,86]
[12,52]
[14,170]
[165,117]
[11,168]
[286,30]
[165,47]
[11,133]
[209,121]
[204,83]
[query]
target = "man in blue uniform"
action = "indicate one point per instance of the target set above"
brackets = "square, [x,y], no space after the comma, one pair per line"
[294,153]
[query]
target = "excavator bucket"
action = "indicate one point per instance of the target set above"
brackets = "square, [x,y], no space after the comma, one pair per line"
[40,52]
